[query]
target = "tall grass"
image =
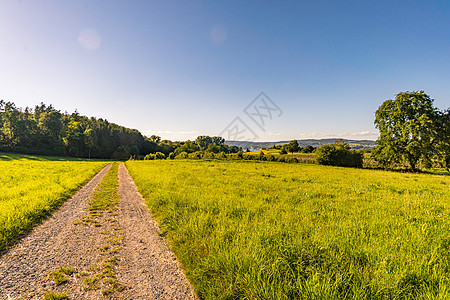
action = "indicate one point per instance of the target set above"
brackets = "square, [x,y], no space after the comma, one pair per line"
[30,189]
[256,230]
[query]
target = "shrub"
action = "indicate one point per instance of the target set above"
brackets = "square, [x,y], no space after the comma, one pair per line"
[171,155]
[339,154]
[261,156]
[208,155]
[182,155]
[292,160]
[150,156]
[195,155]
[308,149]
[153,156]
[122,152]
[248,156]
[281,159]
[270,158]
[160,155]
[221,155]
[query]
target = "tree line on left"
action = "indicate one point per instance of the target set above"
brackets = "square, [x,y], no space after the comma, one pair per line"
[45,130]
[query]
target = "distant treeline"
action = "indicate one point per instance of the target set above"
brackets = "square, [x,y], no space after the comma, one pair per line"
[45,130]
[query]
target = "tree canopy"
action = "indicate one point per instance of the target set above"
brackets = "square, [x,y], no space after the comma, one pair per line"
[412,130]
[45,130]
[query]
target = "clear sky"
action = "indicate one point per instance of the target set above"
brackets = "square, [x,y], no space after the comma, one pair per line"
[180,69]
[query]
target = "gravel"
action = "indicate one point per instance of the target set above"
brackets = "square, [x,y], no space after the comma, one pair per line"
[146,267]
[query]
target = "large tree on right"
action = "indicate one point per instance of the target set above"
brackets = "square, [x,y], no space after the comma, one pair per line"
[408,130]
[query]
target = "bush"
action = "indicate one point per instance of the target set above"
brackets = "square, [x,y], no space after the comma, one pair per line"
[261,156]
[339,154]
[150,156]
[121,153]
[171,155]
[270,158]
[308,149]
[160,155]
[182,155]
[281,159]
[248,156]
[208,155]
[221,155]
[153,156]
[292,160]
[195,155]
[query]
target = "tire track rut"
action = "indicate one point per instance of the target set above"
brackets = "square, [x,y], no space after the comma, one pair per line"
[146,267]
[53,243]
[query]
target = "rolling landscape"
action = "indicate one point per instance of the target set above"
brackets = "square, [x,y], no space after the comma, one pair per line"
[254,146]
[142,190]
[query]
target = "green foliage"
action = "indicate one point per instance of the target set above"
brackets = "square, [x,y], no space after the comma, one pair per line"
[221,155]
[121,153]
[160,155]
[195,155]
[31,189]
[182,155]
[47,131]
[105,196]
[339,154]
[281,159]
[407,130]
[188,147]
[59,276]
[261,156]
[443,139]
[292,160]
[292,146]
[308,149]
[55,296]
[255,230]
[150,156]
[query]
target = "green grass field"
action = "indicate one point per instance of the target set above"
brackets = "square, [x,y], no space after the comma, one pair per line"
[267,230]
[31,187]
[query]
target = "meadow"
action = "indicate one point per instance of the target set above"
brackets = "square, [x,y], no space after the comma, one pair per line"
[268,230]
[32,187]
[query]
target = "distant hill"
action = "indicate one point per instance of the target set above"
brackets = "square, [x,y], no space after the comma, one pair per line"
[354,144]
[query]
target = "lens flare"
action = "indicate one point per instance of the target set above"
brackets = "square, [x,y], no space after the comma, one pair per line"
[89,39]
[218,34]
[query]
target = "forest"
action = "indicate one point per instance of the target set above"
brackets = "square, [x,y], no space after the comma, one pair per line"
[45,130]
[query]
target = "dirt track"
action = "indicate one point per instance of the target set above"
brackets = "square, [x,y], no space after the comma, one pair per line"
[146,268]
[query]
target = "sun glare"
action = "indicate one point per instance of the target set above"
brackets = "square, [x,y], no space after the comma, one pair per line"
[90,39]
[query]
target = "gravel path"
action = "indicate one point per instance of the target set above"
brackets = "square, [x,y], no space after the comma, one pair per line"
[146,268]
[49,245]
[147,265]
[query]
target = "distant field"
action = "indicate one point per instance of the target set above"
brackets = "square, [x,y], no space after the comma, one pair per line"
[267,230]
[31,187]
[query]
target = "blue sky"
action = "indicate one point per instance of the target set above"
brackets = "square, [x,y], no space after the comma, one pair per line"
[180,69]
